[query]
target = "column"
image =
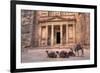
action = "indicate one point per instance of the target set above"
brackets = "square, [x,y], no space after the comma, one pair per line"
[66,33]
[52,35]
[40,36]
[46,35]
[61,34]
[78,31]
[74,33]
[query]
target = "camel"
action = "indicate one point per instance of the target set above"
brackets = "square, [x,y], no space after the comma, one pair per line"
[79,48]
[51,54]
[62,54]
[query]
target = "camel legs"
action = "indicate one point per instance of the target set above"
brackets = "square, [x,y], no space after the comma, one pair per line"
[80,52]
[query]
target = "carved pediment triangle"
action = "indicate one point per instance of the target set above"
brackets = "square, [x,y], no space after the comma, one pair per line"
[55,18]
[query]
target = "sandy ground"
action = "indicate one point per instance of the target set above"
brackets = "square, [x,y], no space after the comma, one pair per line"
[39,55]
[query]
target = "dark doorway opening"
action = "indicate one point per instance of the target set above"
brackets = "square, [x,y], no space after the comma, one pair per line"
[58,38]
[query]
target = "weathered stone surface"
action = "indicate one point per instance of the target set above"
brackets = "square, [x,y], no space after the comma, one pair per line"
[26,28]
[30,27]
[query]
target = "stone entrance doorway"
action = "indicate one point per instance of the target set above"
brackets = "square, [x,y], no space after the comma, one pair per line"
[57,37]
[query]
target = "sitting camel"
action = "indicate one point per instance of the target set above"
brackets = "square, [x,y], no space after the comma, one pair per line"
[71,52]
[51,54]
[62,54]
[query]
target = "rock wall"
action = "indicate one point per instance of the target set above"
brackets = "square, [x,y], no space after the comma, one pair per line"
[26,28]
